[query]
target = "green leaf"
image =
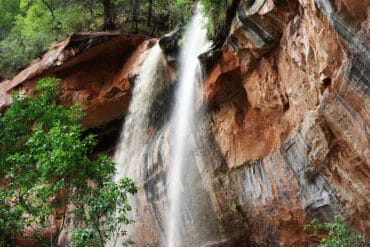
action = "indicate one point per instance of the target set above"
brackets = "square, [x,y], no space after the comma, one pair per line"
[45,161]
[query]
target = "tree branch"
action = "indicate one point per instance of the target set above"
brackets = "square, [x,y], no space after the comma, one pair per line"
[48,6]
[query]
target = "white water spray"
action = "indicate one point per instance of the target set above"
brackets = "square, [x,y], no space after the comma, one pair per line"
[183,116]
[134,135]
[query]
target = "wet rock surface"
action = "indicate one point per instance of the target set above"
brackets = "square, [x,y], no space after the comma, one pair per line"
[305,93]
[169,44]
[287,135]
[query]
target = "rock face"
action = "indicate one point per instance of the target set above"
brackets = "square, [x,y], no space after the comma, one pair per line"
[284,133]
[96,69]
[289,100]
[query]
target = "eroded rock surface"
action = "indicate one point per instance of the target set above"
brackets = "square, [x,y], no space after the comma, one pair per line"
[96,69]
[293,129]
[287,135]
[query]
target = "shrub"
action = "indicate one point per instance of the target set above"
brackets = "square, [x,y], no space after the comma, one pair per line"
[339,233]
[49,179]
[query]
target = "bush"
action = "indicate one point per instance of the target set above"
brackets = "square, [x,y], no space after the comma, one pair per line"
[339,233]
[46,171]
[29,27]
[34,27]
[214,10]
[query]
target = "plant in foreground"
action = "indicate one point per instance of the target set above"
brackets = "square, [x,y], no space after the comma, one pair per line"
[48,179]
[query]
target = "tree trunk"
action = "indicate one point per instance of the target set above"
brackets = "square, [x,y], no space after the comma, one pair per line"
[48,6]
[91,7]
[108,18]
[134,16]
[150,9]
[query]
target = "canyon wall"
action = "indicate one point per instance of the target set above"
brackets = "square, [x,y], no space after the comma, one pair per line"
[282,131]
[290,115]
[285,137]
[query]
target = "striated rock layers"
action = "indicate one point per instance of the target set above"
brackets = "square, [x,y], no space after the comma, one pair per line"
[290,116]
[284,132]
[286,135]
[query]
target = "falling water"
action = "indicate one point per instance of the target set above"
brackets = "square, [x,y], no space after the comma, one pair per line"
[133,135]
[183,115]
[151,80]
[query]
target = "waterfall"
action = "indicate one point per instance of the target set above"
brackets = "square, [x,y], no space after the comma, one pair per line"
[150,81]
[189,72]
[153,79]
[133,135]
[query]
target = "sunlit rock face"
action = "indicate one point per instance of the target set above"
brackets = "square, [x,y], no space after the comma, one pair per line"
[289,99]
[96,69]
[286,134]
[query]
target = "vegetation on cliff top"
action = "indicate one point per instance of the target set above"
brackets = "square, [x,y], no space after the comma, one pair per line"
[48,179]
[28,27]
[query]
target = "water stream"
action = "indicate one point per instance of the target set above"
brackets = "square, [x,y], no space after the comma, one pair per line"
[134,135]
[183,115]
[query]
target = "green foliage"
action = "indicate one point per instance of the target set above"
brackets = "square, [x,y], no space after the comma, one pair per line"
[101,203]
[182,11]
[339,233]
[234,206]
[32,25]
[218,180]
[8,10]
[45,166]
[29,27]
[214,10]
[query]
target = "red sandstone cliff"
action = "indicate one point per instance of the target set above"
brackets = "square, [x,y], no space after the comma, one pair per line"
[96,69]
[290,98]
